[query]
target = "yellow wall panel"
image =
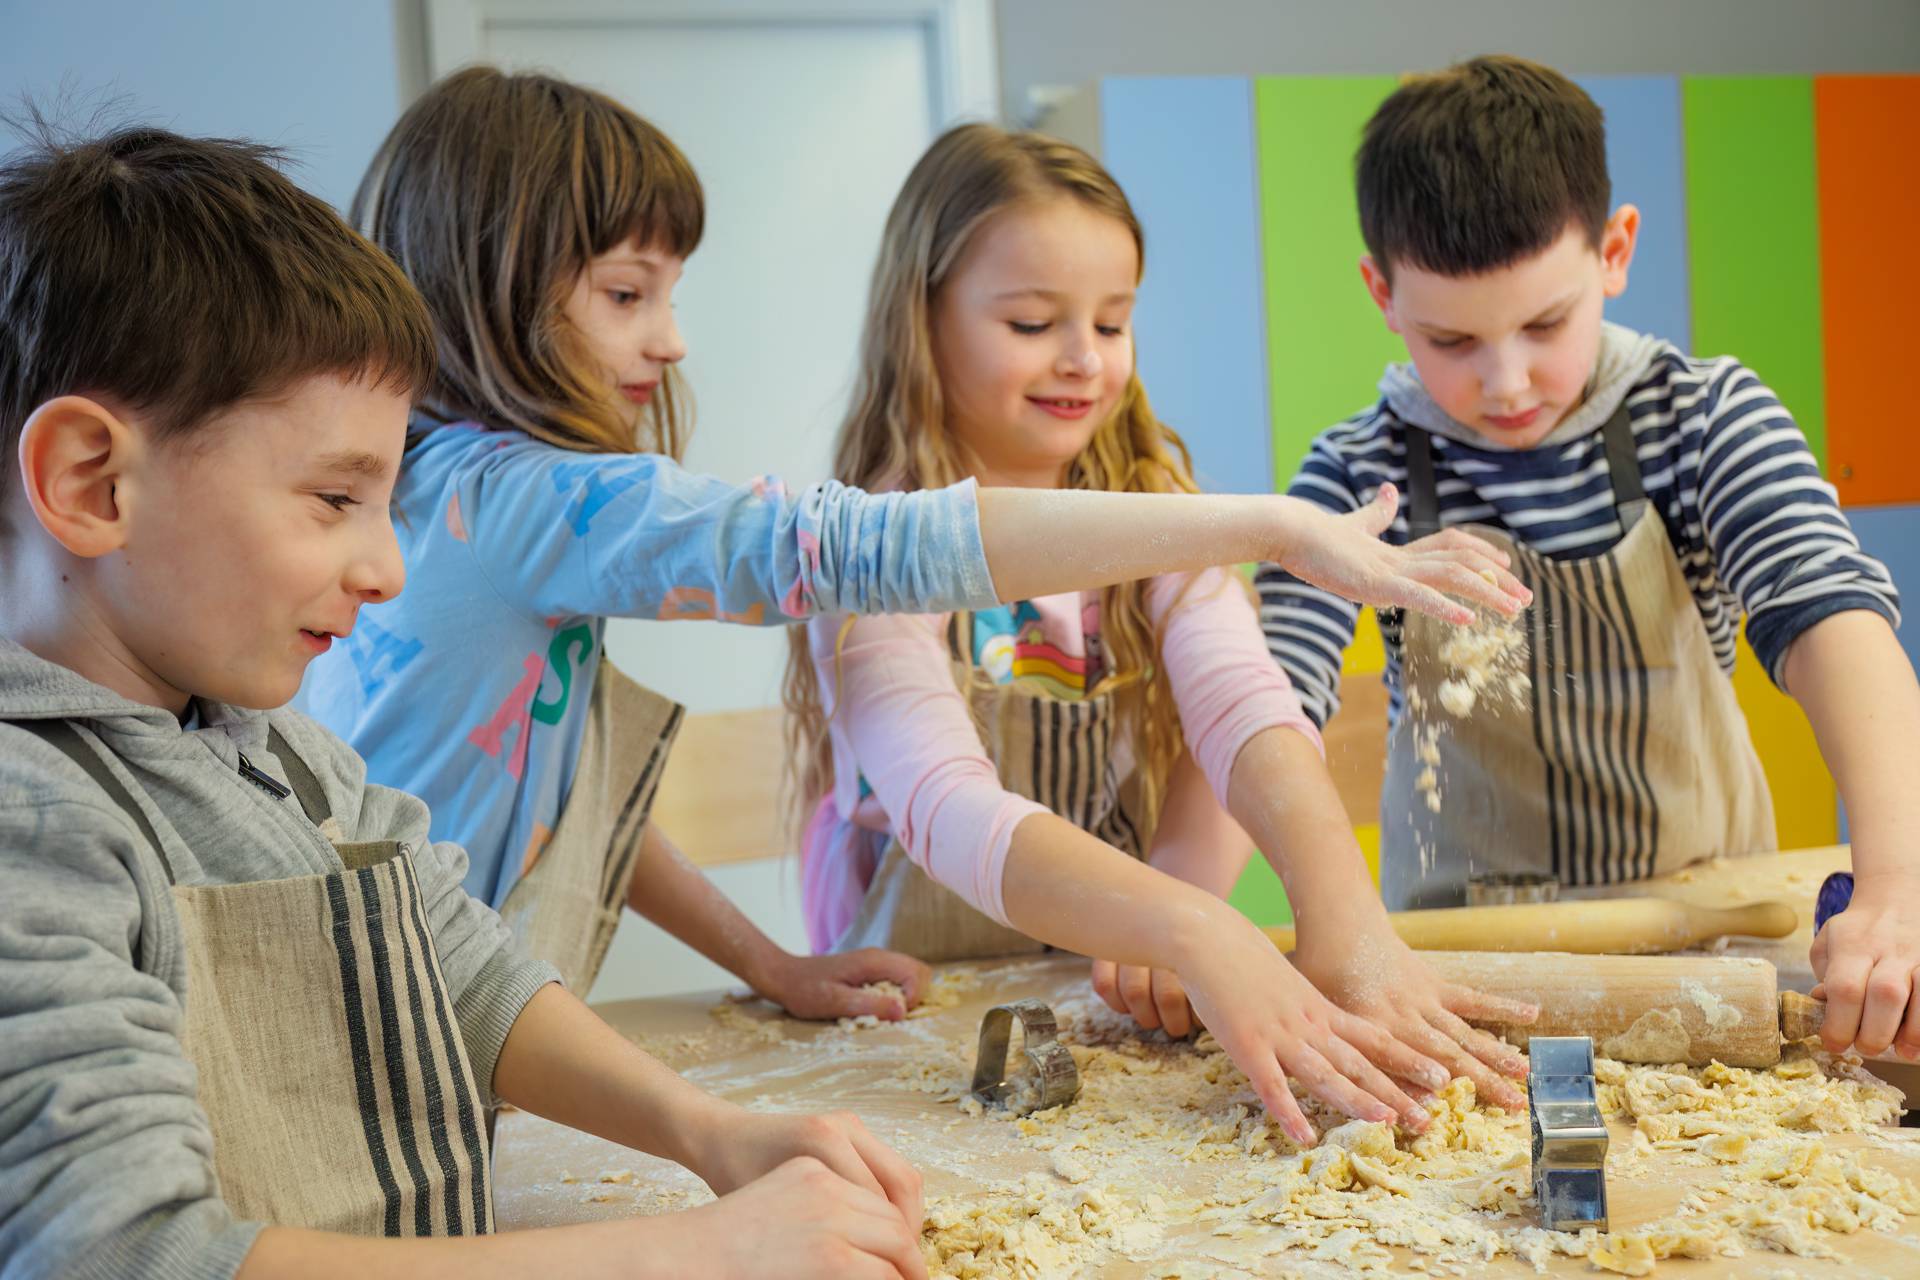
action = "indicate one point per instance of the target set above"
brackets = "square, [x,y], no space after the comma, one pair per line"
[1805,802]
[1367,655]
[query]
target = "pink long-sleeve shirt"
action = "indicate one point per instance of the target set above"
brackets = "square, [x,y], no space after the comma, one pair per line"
[900,724]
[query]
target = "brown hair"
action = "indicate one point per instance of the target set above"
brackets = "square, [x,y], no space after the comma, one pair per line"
[895,435]
[181,276]
[493,192]
[1473,168]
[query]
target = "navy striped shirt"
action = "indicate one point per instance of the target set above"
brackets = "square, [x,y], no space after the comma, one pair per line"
[1756,529]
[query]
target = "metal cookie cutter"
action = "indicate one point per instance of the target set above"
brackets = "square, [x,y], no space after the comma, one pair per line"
[1498,889]
[1058,1079]
[1569,1138]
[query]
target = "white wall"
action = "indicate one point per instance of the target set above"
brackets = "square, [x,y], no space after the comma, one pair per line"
[323,80]
[1070,42]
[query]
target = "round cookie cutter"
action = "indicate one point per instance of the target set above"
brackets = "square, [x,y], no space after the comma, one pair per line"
[1058,1079]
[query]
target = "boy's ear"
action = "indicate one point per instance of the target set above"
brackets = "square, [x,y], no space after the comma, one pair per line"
[1379,289]
[74,457]
[1617,241]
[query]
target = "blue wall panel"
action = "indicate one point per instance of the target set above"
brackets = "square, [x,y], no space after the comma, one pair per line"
[1645,159]
[1893,535]
[230,68]
[1183,149]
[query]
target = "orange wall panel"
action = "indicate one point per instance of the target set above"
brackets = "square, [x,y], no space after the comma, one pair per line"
[1867,157]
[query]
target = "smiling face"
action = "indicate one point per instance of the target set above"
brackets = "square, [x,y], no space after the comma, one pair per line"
[252,543]
[1509,353]
[621,305]
[1033,337]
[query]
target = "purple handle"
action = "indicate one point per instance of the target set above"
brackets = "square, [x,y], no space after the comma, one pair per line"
[1836,891]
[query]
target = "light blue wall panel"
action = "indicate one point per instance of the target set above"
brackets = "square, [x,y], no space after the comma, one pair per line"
[1183,149]
[318,79]
[1644,156]
[1893,535]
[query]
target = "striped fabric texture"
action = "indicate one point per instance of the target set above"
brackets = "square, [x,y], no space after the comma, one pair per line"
[1756,529]
[420,1116]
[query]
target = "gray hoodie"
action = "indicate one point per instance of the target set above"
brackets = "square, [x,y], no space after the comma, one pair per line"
[1625,356]
[106,1159]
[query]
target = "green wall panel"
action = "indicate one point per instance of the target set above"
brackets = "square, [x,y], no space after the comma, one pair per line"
[1753,235]
[1326,341]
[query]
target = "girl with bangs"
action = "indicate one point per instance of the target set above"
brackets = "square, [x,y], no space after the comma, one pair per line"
[1083,769]
[547,225]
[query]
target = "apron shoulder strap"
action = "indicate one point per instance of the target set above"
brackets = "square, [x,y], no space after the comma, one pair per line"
[306,787]
[1423,495]
[960,637]
[1623,458]
[63,737]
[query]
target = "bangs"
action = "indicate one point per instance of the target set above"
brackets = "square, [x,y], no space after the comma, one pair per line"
[636,185]
[494,192]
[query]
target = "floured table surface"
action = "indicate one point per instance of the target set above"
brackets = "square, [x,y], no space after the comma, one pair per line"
[1164,1167]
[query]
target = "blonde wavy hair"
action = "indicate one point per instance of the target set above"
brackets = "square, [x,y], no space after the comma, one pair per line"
[895,436]
[493,192]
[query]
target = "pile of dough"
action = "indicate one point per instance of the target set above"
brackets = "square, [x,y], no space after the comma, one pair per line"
[1454,1196]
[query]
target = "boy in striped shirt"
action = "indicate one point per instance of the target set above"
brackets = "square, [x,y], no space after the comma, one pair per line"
[1649,498]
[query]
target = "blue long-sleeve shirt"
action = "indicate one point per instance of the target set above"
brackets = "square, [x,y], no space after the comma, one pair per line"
[470,689]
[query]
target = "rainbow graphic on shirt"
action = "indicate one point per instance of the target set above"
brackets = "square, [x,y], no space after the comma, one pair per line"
[1009,644]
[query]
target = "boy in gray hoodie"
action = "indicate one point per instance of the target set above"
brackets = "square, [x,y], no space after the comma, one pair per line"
[249,1020]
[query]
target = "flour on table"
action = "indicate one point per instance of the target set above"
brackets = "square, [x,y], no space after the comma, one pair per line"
[729,1015]
[1451,1197]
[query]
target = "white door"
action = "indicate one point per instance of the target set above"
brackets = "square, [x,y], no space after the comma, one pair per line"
[802,120]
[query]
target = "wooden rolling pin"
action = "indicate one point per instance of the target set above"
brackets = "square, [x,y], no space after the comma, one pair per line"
[1691,1009]
[1659,1009]
[1801,1017]
[1602,926]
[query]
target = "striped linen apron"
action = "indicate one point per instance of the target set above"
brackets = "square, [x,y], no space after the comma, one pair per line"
[1626,757]
[330,1066]
[566,905]
[1057,752]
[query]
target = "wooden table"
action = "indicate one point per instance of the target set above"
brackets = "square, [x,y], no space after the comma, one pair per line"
[547,1175]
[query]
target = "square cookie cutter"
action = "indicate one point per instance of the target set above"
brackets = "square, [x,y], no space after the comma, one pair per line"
[1569,1137]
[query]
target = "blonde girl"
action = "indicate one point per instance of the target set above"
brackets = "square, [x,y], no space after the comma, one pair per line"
[1076,770]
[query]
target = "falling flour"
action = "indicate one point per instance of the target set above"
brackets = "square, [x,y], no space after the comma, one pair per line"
[1482,661]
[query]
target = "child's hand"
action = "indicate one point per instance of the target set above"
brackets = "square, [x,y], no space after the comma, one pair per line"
[1865,959]
[1274,1024]
[833,986]
[1377,976]
[1344,555]
[1154,998]
[739,1146]
[802,1220]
